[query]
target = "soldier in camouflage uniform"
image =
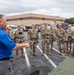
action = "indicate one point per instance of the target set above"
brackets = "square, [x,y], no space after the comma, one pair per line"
[19,34]
[60,33]
[69,33]
[9,30]
[33,39]
[52,35]
[72,52]
[45,39]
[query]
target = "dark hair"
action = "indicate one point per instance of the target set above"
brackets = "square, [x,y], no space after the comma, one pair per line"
[1,16]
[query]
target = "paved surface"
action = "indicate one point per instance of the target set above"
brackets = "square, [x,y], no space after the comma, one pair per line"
[40,64]
[65,68]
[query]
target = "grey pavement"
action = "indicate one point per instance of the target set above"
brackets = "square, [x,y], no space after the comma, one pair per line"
[39,64]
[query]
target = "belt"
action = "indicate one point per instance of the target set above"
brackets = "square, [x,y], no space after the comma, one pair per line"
[4,59]
[33,38]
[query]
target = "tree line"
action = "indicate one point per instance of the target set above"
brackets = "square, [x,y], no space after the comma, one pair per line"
[70,20]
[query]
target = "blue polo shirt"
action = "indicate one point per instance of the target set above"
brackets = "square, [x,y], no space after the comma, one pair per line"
[6,45]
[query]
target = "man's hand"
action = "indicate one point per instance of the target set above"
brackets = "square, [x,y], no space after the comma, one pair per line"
[26,45]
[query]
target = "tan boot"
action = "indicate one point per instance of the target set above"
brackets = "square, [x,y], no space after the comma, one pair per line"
[65,54]
[11,60]
[43,53]
[72,52]
[34,54]
[60,52]
[31,55]
[48,52]
[17,56]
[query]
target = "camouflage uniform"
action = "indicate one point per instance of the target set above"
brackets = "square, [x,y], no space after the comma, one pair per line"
[52,36]
[69,33]
[33,38]
[19,34]
[10,32]
[45,40]
[72,52]
[60,33]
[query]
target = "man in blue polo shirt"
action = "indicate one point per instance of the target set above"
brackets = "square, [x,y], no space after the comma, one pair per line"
[6,47]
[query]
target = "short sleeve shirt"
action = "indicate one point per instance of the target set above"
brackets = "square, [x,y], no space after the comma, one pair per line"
[6,45]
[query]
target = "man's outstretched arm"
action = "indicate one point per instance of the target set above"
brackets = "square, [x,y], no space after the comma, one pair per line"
[18,46]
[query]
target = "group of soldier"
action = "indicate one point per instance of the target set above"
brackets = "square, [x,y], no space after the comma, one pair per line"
[48,36]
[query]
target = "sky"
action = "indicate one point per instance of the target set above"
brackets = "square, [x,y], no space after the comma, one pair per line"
[62,8]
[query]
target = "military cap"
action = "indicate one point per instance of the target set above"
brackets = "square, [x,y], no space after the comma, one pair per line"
[19,25]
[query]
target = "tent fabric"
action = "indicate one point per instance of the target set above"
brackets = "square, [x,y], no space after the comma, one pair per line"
[65,68]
